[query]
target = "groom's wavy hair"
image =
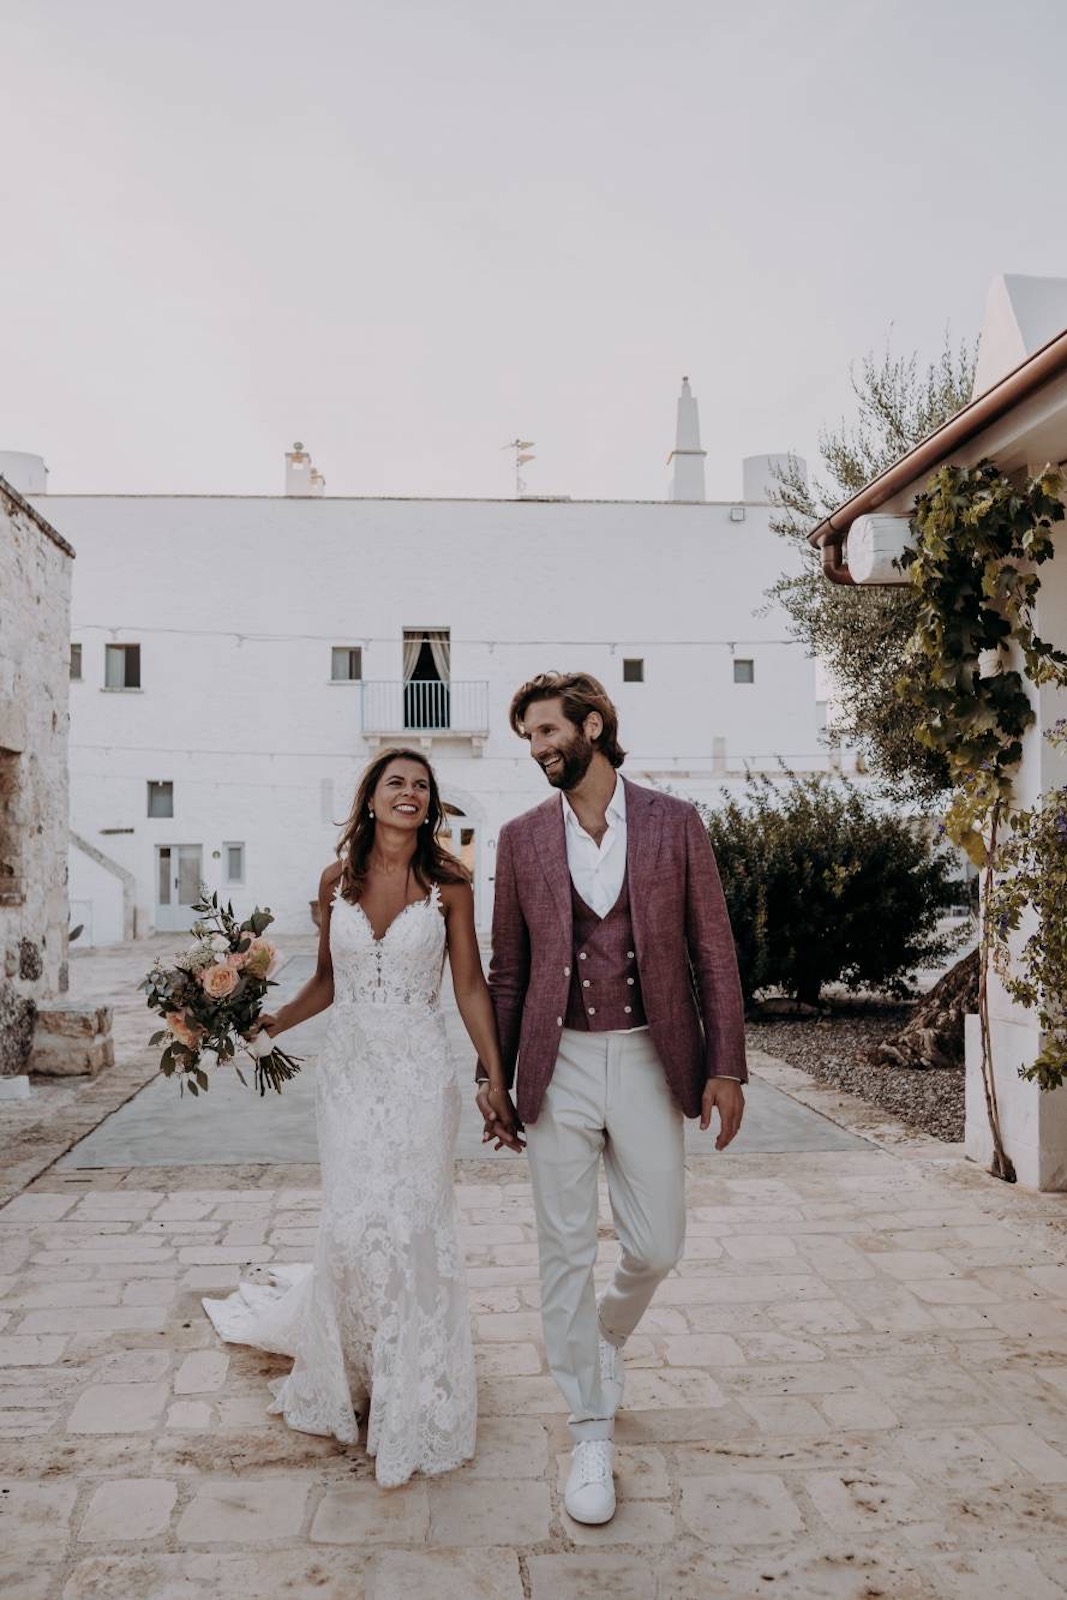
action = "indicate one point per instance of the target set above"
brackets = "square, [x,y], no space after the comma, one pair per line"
[580,693]
[431,864]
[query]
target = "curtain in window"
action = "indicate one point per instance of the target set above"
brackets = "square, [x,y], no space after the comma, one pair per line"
[440,643]
[412,648]
[114,667]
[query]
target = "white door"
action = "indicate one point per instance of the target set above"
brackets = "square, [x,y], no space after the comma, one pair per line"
[179,874]
[458,835]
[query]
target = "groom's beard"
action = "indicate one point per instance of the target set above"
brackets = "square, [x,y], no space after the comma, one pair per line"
[573,764]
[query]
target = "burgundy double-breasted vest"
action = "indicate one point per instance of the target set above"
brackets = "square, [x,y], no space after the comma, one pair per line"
[605,992]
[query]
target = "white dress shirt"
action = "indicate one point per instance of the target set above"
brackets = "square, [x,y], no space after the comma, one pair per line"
[596,870]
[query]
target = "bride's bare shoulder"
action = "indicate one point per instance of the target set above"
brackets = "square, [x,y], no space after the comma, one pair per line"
[330,878]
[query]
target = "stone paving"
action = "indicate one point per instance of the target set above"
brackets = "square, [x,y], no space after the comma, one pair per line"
[854,1386]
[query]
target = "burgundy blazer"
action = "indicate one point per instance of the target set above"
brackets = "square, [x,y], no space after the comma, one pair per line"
[685,950]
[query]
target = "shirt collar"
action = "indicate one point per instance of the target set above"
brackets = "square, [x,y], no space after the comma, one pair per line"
[616,811]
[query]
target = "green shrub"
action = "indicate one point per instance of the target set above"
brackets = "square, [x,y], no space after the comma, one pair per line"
[823,886]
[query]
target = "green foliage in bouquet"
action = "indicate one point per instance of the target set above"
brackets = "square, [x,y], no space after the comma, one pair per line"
[824,886]
[212,996]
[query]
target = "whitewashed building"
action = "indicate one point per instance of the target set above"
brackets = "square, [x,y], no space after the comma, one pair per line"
[1018,418]
[241,658]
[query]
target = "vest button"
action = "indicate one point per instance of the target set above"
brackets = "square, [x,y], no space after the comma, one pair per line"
[629,955]
[582,956]
[585,983]
[566,972]
[629,980]
[592,1011]
[559,1022]
[627,1009]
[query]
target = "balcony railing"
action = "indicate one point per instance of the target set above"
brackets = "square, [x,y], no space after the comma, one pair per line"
[424,706]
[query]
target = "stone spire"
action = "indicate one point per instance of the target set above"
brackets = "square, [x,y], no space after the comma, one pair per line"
[686,460]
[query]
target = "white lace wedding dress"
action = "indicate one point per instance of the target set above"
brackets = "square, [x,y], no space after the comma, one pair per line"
[379,1325]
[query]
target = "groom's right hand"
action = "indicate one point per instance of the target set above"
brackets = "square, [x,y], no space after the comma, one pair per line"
[500,1117]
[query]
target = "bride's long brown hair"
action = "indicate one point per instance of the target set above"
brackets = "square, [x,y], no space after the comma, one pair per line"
[431,863]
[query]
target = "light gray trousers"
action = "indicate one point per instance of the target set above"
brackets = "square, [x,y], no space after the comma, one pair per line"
[608,1095]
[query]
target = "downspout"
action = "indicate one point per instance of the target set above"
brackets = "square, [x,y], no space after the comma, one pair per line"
[833,565]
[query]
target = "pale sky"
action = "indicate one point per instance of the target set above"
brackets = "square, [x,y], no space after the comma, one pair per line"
[407,232]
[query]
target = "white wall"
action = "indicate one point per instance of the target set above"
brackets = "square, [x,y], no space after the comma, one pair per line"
[236,603]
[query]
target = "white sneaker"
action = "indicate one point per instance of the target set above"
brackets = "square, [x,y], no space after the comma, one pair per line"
[590,1492]
[612,1373]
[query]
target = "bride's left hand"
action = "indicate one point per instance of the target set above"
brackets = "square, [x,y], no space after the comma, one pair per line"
[500,1117]
[258,1041]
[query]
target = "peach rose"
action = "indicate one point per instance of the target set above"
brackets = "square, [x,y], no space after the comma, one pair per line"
[260,958]
[219,981]
[186,1032]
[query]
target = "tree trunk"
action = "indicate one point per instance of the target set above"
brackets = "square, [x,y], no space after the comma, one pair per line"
[933,1035]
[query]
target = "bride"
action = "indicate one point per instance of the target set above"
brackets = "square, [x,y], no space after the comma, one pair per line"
[379,1325]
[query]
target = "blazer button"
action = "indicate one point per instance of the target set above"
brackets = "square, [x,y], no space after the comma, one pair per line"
[629,980]
[627,1009]
[629,955]
[582,956]
[592,1011]
[585,983]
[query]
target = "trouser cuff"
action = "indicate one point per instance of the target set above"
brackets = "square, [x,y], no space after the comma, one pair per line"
[592,1428]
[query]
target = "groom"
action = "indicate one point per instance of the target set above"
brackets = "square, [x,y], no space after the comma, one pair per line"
[614,981]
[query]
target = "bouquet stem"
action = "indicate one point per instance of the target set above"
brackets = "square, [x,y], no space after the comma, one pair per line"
[275,1069]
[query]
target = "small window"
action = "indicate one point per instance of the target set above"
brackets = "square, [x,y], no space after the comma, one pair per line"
[75,663]
[346,664]
[122,666]
[744,670]
[11,834]
[633,669]
[161,799]
[234,858]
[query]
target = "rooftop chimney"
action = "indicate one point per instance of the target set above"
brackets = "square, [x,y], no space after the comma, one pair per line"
[27,474]
[301,478]
[687,458]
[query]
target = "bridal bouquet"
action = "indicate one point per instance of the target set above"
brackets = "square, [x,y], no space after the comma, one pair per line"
[211,998]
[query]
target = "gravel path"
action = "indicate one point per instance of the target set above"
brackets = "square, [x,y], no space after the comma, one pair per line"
[834,1049]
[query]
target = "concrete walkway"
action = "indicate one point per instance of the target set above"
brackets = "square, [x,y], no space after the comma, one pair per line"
[230,1124]
[854,1386]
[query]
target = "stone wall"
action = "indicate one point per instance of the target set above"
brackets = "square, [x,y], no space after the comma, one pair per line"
[35,582]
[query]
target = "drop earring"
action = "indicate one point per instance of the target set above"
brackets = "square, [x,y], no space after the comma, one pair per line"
[370,812]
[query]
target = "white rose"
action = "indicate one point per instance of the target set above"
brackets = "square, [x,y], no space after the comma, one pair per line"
[220,942]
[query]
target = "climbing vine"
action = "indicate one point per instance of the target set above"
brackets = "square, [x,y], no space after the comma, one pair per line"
[1030,894]
[979,539]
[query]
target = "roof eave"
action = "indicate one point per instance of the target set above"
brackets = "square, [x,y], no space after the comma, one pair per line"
[1042,367]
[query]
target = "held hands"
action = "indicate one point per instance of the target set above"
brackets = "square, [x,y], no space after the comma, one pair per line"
[726,1096]
[500,1117]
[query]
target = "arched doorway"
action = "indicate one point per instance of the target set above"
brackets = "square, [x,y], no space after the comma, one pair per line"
[458,835]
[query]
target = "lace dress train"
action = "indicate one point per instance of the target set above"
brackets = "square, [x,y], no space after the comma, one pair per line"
[379,1324]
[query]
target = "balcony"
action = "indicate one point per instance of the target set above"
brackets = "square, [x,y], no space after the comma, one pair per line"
[427,712]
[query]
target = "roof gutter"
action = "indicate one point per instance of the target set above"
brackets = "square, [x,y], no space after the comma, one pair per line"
[829,536]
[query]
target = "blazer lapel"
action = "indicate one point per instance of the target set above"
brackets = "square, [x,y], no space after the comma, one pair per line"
[644,824]
[552,848]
